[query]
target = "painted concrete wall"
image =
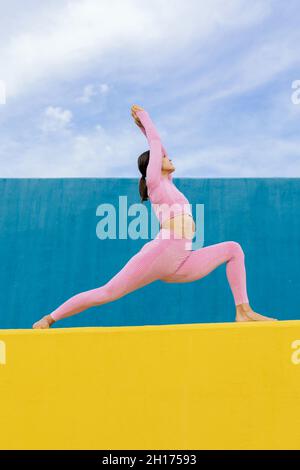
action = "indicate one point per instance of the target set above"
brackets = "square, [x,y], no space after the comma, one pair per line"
[49,250]
[217,386]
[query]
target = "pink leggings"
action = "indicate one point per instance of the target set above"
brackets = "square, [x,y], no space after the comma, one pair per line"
[168,259]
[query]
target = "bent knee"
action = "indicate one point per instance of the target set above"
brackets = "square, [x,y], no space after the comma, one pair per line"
[235,248]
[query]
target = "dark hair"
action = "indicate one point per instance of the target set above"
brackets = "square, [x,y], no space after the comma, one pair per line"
[143,161]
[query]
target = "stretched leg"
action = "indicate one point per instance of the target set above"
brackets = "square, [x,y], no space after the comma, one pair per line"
[148,265]
[201,262]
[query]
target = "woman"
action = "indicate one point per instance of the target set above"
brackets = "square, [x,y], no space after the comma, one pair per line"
[168,256]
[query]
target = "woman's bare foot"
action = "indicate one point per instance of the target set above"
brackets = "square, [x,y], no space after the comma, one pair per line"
[44,322]
[241,317]
[245,313]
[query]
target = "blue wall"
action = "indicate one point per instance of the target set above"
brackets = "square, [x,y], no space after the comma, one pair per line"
[49,250]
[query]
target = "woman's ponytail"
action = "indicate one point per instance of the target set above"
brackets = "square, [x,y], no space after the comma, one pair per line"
[143,161]
[143,189]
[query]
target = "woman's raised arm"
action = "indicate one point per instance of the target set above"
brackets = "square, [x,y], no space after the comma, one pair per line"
[144,132]
[153,174]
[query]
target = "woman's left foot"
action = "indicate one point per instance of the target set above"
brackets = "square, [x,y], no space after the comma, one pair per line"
[43,323]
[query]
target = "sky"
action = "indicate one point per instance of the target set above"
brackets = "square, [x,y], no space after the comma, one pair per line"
[220,80]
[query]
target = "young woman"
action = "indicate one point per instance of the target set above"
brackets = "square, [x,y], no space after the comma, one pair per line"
[169,256]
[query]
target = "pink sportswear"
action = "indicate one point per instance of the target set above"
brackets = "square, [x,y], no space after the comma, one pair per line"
[166,199]
[166,257]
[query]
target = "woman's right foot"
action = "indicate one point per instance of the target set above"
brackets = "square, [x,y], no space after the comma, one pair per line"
[43,323]
[254,316]
[248,314]
[240,317]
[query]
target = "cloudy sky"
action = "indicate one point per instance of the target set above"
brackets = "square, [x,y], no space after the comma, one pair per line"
[216,77]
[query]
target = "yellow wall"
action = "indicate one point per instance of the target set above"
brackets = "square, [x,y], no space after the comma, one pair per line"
[196,386]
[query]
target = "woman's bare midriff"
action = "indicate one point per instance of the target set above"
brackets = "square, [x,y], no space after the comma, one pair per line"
[182,224]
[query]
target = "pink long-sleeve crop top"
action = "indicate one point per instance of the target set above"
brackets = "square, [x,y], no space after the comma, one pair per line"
[166,199]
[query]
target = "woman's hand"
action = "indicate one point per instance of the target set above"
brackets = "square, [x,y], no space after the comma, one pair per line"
[135,108]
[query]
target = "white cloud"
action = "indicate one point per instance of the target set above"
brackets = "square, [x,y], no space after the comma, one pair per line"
[259,65]
[2,92]
[92,153]
[56,119]
[264,157]
[186,63]
[88,93]
[63,41]
[104,88]
[91,91]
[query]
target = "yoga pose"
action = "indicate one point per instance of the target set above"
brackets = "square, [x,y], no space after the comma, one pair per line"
[169,256]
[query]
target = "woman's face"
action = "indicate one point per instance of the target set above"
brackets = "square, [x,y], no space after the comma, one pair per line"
[167,163]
